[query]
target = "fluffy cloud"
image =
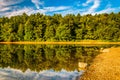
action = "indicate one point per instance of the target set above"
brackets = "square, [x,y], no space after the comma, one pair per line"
[9,2]
[95,5]
[91,9]
[18,12]
[7,10]
[52,9]
[87,2]
[11,8]
[32,11]
[2,9]
[8,5]
[23,10]
[87,8]
[37,3]
[107,10]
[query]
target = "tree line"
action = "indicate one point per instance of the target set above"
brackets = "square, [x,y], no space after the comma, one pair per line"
[39,27]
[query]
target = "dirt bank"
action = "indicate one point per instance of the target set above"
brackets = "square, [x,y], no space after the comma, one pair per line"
[106,66]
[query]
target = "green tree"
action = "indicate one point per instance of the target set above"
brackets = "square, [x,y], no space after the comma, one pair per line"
[39,33]
[28,31]
[63,33]
[20,32]
[50,33]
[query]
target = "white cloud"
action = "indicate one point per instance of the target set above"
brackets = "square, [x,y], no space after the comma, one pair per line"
[2,9]
[87,2]
[107,10]
[9,2]
[24,10]
[92,9]
[37,3]
[89,7]
[8,5]
[17,12]
[95,6]
[10,8]
[50,9]
[42,11]
[32,11]
[85,10]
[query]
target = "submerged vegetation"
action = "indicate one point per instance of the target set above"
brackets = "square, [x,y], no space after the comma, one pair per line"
[39,27]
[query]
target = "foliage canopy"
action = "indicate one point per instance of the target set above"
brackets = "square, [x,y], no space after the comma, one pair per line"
[39,27]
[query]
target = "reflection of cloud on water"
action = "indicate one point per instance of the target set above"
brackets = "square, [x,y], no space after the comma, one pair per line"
[14,74]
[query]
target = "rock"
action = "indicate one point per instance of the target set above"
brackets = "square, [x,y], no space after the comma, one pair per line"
[82,66]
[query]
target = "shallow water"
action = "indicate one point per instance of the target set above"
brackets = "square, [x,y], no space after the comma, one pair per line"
[45,62]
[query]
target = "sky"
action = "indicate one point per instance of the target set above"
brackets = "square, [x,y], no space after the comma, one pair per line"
[10,8]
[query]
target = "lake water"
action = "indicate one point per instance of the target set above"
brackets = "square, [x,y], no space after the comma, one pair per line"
[45,62]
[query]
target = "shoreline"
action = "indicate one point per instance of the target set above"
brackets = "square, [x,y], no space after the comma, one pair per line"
[81,42]
[106,66]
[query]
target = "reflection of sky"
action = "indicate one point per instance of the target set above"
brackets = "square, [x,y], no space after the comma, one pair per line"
[14,74]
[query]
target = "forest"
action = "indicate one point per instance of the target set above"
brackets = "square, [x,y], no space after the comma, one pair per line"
[39,27]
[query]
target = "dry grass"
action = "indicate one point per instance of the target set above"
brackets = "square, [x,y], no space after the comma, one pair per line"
[106,66]
[81,42]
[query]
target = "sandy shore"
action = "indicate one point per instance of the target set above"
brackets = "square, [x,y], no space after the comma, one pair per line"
[81,42]
[106,66]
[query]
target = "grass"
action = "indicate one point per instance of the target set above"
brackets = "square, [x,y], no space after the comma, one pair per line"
[68,42]
[106,66]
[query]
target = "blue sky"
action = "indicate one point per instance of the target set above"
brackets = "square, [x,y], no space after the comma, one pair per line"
[17,7]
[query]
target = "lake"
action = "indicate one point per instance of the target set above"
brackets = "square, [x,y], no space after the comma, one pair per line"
[46,62]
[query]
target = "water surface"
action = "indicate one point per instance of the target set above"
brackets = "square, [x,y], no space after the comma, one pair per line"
[45,62]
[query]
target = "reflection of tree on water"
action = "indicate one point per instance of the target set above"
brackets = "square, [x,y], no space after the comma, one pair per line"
[45,57]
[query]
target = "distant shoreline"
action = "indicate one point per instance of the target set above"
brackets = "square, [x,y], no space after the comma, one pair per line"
[81,42]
